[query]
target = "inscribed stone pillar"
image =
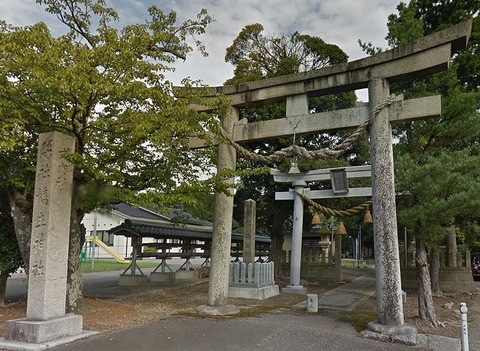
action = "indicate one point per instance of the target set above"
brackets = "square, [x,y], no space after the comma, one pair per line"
[387,258]
[222,223]
[47,283]
[249,231]
[47,280]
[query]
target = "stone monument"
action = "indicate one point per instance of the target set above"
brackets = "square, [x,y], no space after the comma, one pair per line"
[46,323]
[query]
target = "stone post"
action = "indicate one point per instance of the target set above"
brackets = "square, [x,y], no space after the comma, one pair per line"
[47,284]
[222,223]
[296,259]
[249,225]
[387,258]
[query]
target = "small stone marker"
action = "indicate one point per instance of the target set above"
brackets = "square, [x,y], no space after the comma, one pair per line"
[312,303]
[46,319]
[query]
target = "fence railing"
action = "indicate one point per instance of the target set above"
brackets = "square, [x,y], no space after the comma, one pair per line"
[252,275]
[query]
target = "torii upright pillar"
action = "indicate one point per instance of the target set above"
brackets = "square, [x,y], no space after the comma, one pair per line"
[387,264]
[222,228]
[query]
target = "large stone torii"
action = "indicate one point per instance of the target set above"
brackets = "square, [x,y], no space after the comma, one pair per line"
[426,56]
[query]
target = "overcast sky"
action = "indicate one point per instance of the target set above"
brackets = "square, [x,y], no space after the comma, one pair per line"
[340,22]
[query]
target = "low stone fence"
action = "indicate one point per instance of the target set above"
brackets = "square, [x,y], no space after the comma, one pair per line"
[252,275]
[317,256]
[451,279]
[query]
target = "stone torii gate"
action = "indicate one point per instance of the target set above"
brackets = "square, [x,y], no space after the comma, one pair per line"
[426,56]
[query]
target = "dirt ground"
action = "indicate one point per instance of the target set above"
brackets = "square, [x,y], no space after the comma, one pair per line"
[109,315]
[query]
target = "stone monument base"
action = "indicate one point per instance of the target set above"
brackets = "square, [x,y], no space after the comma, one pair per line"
[294,289]
[38,334]
[404,334]
[262,293]
[25,346]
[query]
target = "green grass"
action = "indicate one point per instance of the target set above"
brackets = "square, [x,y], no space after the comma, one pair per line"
[359,320]
[350,263]
[110,265]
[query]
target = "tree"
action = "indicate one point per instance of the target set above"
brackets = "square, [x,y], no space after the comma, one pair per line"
[10,257]
[437,161]
[256,56]
[106,86]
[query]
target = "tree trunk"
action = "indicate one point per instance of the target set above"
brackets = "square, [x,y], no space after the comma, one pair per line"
[21,210]
[276,246]
[3,286]
[452,248]
[426,309]
[276,254]
[435,271]
[74,274]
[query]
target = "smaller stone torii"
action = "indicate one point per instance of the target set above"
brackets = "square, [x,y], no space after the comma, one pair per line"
[418,59]
[299,183]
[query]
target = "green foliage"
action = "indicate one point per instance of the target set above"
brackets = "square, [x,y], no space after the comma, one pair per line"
[437,161]
[256,56]
[105,85]
[10,256]
[404,27]
[440,191]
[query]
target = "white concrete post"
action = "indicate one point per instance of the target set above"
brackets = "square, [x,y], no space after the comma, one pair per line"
[222,223]
[464,333]
[387,259]
[296,257]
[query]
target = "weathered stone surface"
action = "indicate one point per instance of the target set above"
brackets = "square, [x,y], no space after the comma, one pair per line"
[254,293]
[23,330]
[403,333]
[426,107]
[50,228]
[387,259]
[222,223]
[428,55]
